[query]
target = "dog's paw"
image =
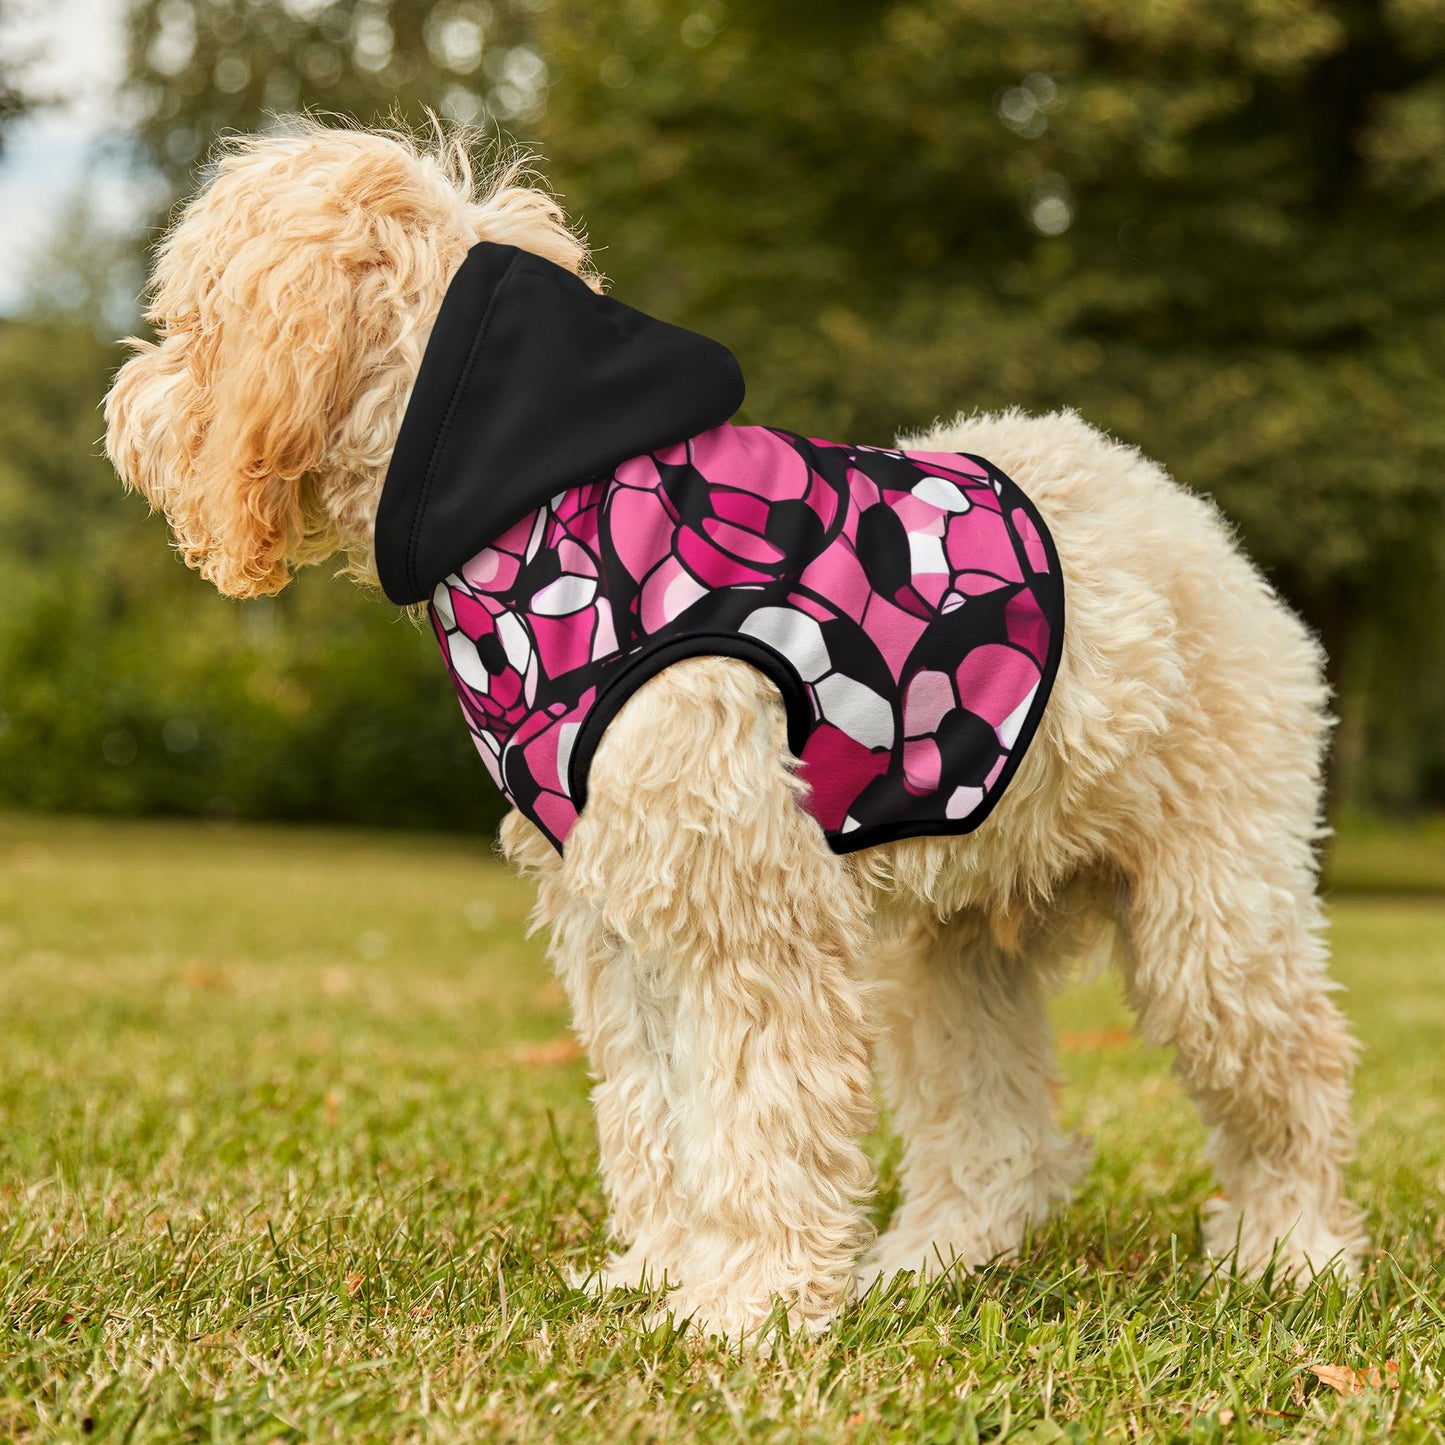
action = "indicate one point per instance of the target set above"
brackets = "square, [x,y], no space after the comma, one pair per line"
[898,1254]
[965,1228]
[1297,1248]
[632,1270]
[958,1242]
[757,1325]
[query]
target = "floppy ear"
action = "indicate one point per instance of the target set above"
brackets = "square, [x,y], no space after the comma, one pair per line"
[142,411]
[221,423]
[274,353]
[292,300]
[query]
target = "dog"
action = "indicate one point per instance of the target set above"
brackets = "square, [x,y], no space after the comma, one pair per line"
[735,968]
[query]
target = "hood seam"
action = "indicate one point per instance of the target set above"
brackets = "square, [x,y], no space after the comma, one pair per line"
[439,441]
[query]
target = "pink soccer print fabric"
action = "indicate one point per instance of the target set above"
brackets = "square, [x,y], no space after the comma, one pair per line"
[908,606]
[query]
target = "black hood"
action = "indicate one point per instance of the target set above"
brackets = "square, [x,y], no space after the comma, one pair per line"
[531,383]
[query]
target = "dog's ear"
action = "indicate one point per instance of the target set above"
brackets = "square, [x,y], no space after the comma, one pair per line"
[143,417]
[221,422]
[292,301]
[277,352]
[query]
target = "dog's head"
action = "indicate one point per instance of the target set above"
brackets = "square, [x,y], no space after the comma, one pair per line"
[292,300]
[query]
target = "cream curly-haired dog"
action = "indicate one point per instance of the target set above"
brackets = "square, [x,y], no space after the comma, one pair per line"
[733,960]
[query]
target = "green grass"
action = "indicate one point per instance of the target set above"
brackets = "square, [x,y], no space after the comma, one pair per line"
[284,1155]
[1374,856]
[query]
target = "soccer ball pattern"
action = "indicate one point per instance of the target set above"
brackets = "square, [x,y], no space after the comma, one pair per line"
[907,604]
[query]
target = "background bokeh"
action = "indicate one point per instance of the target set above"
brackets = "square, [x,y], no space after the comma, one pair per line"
[1214,227]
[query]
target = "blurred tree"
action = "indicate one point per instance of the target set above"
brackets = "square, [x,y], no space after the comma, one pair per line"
[202,67]
[15,97]
[58,496]
[127,685]
[1216,229]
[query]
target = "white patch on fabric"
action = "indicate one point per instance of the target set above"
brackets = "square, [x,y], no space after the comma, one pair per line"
[796,635]
[566,737]
[682,592]
[963,801]
[490,759]
[465,662]
[441,600]
[515,642]
[925,554]
[566,595]
[941,493]
[1008,729]
[856,710]
[539,531]
[605,640]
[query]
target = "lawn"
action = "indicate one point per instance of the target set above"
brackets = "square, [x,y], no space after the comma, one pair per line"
[293,1146]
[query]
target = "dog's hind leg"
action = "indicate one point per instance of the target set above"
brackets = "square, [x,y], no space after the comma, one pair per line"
[741,929]
[966,1059]
[1224,950]
[1225,961]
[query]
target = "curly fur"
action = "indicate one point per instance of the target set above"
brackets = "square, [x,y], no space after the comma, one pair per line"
[292,301]
[731,977]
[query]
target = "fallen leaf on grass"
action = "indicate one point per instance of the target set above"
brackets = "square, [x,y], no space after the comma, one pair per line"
[554,1051]
[1346,1381]
[1096,1041]
[335,982]
[354,1283]
[204,976]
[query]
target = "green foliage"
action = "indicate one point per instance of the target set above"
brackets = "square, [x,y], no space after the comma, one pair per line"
[281,1157]
[15,99]
[320,705]
[1373,856]
[1216,229]
[202,67]
[128,686]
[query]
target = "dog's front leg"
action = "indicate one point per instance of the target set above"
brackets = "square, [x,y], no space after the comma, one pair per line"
[740,930]
[622,1014]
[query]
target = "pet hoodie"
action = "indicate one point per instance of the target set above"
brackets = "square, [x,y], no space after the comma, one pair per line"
[569,494]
